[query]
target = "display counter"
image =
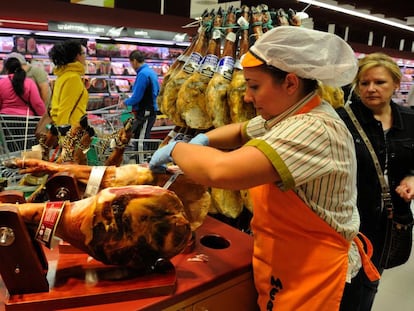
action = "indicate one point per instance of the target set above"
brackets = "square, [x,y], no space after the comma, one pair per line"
[215,275]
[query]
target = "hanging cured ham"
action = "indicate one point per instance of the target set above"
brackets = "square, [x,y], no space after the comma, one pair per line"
[239,110]
[191,101]
[174,69]
[216,91]
[172,87]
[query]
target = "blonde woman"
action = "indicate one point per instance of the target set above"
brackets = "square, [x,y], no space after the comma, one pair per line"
[390,129]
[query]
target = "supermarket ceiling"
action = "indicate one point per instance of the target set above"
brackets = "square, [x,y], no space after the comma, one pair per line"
[400,11]
[388,9]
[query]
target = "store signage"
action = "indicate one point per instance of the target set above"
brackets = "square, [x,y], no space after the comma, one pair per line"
[87,29]
[156,34]
[116,32]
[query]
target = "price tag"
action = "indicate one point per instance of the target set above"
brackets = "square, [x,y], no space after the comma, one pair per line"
[50,219]
[94,181]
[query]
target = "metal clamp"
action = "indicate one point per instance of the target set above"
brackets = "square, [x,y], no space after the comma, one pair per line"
[6,236]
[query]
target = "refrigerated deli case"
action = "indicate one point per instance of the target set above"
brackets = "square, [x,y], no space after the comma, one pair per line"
[214,274]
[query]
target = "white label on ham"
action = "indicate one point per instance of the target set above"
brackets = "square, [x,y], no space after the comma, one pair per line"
[94,181]
[193,62]
[231,36]
[182,58]
[237,64]
[216,34]
[208,65]
[225,67]
[243,23]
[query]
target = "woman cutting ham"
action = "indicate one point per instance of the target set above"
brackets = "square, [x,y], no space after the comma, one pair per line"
[298,160]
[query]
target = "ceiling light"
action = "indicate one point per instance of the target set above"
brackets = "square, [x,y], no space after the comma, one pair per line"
[183,43]
[68,35]
[358,14]
[12,31]
[145,40]
[13,21]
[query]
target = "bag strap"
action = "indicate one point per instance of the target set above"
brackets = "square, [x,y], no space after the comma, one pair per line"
[25,101]
[77,102]
[385,190]
[28,104]
[386,195]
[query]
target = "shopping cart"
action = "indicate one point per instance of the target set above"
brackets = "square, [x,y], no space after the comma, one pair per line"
[17,134]
[107,122]
[137,151]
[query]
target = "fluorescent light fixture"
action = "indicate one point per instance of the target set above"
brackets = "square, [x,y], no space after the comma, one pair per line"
[146,40]
[12,31]
[183,43]
[180,37]
[68,35]
[13,21]
[358,14]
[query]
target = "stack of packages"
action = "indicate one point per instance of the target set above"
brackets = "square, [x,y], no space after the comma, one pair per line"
[205,87]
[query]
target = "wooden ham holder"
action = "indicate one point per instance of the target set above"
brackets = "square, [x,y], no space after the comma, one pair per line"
[62,186]
[23,265]
[71,278]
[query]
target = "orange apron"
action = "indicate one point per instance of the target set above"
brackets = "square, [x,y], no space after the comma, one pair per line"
[299,261]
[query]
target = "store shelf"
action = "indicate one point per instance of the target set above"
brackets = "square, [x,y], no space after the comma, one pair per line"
[108,72]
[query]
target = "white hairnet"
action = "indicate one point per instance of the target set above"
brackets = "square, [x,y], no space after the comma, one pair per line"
[308,53]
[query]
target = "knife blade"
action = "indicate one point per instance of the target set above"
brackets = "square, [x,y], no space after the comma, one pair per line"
[172,179]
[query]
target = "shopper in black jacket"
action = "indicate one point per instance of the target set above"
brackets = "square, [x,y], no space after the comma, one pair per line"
[390,128]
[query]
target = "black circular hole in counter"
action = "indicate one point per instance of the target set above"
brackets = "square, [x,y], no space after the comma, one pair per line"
[214,241]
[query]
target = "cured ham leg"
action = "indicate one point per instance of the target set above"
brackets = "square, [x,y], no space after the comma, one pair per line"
[121,138]
[191,99]
[173,85]
[216,90]
[195,197]
[127,226]
[77,139]
[172,71]
[241,111]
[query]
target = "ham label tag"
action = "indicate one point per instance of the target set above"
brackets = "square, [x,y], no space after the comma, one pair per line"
[49,221]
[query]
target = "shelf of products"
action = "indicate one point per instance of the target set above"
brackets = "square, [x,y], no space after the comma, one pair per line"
[407,82]
[108,75]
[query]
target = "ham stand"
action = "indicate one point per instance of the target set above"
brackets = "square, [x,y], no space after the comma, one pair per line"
[23,265]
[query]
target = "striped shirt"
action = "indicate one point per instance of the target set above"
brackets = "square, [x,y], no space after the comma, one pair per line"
[314,155]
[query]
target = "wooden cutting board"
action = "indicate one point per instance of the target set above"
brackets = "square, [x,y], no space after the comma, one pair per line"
[77,280]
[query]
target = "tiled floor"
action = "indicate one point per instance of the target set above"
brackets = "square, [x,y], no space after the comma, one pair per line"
[396,290]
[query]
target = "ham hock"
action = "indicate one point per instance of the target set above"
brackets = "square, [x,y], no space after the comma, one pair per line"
[131,226]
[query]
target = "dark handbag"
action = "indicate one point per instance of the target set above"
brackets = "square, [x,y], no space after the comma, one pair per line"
[43,125]
[399,228]
[398,241]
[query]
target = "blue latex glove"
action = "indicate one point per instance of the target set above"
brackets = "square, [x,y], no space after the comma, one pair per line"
[162,156]
[200,139]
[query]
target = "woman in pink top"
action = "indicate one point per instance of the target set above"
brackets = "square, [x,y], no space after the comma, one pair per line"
[18,95]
